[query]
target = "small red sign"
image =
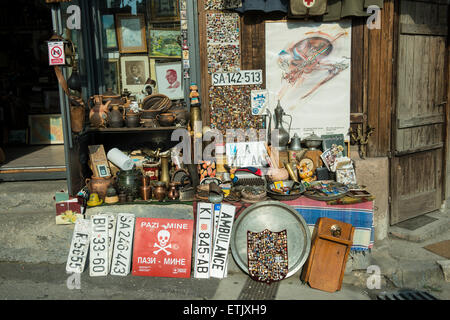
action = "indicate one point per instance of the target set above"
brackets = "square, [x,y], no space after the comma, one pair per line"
[163,248]
[56,53]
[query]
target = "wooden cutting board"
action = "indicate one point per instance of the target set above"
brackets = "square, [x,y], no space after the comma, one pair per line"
[331,244]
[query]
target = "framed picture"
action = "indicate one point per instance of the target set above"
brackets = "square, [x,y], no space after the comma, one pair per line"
[112,75]
[164,10]
[109,32]
[165,43]
[131,33]
[346,176]
[46,129]
[103,171]
[169,79]
[135,71]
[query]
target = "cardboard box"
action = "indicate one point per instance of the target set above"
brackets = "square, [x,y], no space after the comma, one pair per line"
[99,161]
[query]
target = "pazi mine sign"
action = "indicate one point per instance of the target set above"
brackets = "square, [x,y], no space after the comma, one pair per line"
[162,248]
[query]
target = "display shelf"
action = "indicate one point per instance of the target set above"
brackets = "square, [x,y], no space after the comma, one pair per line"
[138,129]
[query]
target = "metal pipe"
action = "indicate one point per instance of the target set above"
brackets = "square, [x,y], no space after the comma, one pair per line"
[57,26]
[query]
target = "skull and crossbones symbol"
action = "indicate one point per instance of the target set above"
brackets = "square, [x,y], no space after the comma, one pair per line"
[163,239]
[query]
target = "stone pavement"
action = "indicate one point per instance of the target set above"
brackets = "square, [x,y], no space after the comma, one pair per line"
[33,253]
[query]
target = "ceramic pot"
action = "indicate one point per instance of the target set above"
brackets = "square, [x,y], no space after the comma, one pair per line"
[149,123]
[115,117]
[173,194]
[129,181]
[181,115]
[123,198]
[159,192]
[150,114]
[99,185]
[133,120]
[166,119]
[77,114]
[115,98]
[98,115]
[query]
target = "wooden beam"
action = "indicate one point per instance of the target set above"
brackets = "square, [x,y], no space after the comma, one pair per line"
[423,29]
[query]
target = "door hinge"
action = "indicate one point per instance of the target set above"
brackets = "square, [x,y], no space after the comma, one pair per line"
[389,199]
[389,154]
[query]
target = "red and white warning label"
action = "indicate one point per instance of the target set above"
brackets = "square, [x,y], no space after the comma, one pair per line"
[56,53]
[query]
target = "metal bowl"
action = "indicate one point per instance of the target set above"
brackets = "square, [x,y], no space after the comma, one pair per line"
[298,189]
[274,216]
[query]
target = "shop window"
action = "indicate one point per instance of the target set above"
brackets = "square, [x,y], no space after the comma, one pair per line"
[141,44]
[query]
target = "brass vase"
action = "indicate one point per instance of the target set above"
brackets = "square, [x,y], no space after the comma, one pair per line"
[196,115]
[165,177]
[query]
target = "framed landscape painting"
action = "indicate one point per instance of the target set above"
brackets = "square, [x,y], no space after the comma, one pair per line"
[165,43]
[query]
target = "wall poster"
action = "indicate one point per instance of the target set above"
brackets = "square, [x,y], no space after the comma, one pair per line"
[308,70]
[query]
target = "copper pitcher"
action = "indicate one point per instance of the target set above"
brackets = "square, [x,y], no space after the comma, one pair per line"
[160,191]
[173,194]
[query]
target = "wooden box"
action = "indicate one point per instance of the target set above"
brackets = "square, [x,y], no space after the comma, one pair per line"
[99,162]
[331,244]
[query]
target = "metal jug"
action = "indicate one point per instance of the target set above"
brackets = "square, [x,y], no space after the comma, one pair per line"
[282,135]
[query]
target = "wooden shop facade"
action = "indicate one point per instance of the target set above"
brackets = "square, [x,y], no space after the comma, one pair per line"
[398,87]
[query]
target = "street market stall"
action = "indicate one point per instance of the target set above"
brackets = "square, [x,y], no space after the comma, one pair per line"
[262,157]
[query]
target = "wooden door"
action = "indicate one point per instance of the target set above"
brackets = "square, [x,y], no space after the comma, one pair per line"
[420,115]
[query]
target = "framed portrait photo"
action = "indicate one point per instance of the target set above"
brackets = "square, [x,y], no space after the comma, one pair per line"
[135,71]
[131,33]
[169,79]
[109,32]
[164,10]
[165,43]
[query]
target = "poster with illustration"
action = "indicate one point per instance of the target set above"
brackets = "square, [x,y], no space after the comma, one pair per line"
[169,80]
[308,71]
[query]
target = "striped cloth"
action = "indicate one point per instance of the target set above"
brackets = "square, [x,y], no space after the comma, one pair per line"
[360,215]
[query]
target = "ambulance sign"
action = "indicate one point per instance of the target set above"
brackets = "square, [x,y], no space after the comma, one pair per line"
[56,53]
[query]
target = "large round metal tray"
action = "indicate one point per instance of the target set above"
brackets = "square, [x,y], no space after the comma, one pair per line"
[274,216]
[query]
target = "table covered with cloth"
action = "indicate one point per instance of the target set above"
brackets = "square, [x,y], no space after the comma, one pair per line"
[359,215]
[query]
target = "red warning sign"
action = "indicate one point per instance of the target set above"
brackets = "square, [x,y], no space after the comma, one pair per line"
[56,53]
[162,248]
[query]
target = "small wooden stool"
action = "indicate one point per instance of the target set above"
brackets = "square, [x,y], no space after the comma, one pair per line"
[331,244]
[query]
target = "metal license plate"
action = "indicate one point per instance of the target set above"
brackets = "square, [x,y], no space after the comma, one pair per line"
[79,247]
[203,240]
[121,263]
[222,241]
[217,208]
[98,257]
[245,77]
[111,236]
